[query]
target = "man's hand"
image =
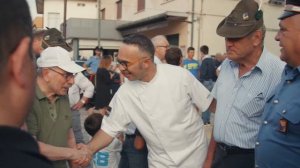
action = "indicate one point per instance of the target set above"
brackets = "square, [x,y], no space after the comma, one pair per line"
[78,105]
[86,157]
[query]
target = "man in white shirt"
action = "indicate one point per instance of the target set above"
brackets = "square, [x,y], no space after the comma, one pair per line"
[163,101]
[81,85]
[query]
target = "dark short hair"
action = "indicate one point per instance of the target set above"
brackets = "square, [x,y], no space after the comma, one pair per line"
[173,56]
[204,49]
[93,123]
[142,42]
[15,21]
[98,49]
[190,49]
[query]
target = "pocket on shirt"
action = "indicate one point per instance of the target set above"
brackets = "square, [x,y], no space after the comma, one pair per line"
[292,114]
[253,107]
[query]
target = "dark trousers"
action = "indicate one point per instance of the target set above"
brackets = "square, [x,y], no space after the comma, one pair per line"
[132,158]
[233,157]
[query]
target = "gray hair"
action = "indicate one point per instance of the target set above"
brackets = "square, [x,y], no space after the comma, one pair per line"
[157,39]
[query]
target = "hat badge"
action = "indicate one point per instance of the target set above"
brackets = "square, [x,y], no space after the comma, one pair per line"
[47,37]
[245,16]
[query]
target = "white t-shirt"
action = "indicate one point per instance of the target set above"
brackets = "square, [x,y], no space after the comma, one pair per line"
[109,157]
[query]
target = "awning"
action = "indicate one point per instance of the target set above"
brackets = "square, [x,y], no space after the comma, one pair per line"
[151,23]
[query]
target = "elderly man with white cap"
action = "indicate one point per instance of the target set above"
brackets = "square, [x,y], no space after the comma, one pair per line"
[50,118]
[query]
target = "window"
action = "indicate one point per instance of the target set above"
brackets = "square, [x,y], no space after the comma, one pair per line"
[277,2]
[140,5]
[119,9]
[103,14]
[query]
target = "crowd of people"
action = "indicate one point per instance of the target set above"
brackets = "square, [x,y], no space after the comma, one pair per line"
[149,107]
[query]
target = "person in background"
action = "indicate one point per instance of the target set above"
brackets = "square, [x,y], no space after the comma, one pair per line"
[37,42]
[207,75]
[161,45]
[84,86]
[115,78]
[163,101]
[103,84]
[174,56]
[219,59]
[278,142]
[108,157]
[50,118]
[92,64]
[248,77]
[190,64]
[17,83]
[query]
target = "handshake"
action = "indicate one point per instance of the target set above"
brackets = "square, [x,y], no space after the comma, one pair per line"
[81,156]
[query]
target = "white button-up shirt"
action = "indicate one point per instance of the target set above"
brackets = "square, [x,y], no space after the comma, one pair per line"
[81,83]
[165,112]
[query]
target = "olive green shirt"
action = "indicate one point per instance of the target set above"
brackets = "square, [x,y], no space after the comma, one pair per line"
[50,122]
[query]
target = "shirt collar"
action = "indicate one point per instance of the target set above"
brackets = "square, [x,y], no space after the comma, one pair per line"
[40,95]
[290,72]
[206,56]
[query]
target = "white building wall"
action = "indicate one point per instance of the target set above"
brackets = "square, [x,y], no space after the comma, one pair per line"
[208,14]
[75,9]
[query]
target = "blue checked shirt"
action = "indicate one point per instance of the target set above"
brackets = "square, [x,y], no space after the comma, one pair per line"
[240,100]
[278,146]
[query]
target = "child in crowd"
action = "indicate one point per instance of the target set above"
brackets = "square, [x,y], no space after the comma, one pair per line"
[109,157]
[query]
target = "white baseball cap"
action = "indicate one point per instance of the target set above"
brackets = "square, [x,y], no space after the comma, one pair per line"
[57,56]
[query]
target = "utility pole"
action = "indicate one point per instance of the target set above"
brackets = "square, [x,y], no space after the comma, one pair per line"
[65,19]
[99,22]
[192,26]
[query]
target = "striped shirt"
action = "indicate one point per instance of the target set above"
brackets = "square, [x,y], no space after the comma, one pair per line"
[240,100]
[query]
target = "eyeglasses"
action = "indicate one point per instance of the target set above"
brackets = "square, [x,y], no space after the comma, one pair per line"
[166,46]
[126,64]
[67,75]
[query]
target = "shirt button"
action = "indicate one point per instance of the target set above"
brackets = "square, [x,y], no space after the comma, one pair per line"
[265,122]
[283,111]
[288,82]
[256,166]
[256,143]
[276,101]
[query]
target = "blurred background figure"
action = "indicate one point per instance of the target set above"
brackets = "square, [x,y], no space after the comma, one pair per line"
[174,56]
[190,63]
[37,42]
[103,84]
[92,64]
[109,157]
[82,86]
[161,45]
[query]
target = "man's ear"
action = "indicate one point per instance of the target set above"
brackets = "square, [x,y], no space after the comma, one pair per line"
[258,35]
[18,62]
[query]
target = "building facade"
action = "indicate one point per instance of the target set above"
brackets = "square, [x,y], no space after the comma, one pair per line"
[184,22]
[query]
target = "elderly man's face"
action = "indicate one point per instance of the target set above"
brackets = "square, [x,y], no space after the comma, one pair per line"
[289,40]
[59,81]
[240,49]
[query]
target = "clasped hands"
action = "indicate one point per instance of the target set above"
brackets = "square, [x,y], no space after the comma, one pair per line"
[82,156]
